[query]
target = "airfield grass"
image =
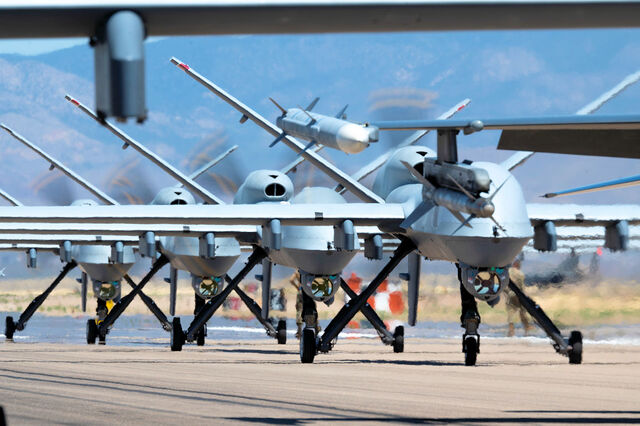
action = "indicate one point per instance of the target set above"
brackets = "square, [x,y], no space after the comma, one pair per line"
[582,303]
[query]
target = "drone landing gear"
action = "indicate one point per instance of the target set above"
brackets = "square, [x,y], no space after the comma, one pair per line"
[179,337]
[12,326]
[470,320]
[395,339]
[279,332]
[349,310]
[571,347]
[123,303]
[202,333]
[153,307]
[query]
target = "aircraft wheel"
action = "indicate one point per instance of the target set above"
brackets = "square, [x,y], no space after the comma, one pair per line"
[177,335]
[92,332]
[102,337]
[575,354]
[282,332]
[308,345]
[200,337]
[9,328]
[398,339]
[471,351]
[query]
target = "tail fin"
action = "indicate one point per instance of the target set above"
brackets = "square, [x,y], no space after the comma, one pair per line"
[312,104]
[340,114]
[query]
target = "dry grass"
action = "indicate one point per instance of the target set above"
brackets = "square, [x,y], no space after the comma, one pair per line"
[601,302]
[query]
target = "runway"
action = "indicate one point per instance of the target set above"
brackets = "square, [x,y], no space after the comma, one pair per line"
[255,381]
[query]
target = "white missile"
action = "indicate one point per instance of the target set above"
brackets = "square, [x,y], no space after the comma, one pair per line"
[334,132]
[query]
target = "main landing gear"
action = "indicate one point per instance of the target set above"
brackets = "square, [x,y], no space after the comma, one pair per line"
[12,326]
[179,336]
[470,319]
[279,332]
[571,347]
[310,344]
[105,322]
[395,339]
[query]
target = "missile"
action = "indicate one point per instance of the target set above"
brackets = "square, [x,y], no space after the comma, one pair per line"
[334,132]
[458,200]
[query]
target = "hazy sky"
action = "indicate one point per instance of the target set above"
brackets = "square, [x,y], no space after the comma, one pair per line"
[36,46]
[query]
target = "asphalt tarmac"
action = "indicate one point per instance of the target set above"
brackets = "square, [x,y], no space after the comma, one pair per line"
[515,381]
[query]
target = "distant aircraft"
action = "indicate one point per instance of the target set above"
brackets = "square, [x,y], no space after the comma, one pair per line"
[103,260]
[2,274]
[116,29]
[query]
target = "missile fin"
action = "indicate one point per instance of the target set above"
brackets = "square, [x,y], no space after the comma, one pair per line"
[309,145]
[461,188]
[416,214]
[278,139]
[340,113]
[465,222]
[312,104]
[313,120]
[284,111]
[418,176]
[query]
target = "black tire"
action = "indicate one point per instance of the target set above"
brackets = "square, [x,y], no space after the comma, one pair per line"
[308,345]
[575,354]
[282,332]
[177,335]
[102,336]
[9,328]
[200,337]
[471,351]
[398,339]
[92,332]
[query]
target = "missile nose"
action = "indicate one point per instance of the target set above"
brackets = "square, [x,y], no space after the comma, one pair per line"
[487,209]
[352,138]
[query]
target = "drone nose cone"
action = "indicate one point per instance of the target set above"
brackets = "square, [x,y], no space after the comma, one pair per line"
[352,138]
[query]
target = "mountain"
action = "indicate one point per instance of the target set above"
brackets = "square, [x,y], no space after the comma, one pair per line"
[411,75]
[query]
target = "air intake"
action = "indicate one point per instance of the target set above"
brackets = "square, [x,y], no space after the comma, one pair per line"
[419,167]
[178,202]
[274,190]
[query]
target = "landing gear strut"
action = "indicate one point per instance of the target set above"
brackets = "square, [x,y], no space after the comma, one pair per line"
[571,347]
[179,337]
[123,303]
[470,320]
[11,327]
[349,310]
[279,333]
[395,339]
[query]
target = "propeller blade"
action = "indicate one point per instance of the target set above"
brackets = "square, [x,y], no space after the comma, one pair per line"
[173,290]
